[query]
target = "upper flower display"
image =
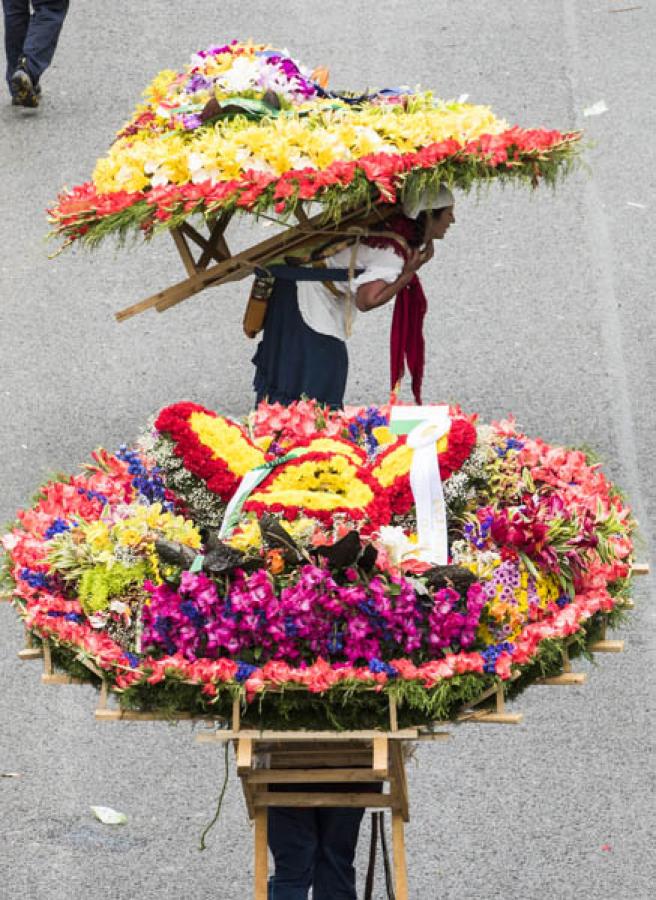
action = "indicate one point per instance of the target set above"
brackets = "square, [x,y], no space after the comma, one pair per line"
[245,126]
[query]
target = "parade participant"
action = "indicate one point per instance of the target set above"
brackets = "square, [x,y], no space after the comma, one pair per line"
[303,353]
[310,316]
[30,43]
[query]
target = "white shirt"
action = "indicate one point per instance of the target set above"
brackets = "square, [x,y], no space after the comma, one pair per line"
[328,314]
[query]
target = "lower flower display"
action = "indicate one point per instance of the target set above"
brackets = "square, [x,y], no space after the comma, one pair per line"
[279,561]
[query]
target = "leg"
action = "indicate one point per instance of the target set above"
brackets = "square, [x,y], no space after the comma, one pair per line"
[334,875]
[43,34]
[17,20]
[293,843]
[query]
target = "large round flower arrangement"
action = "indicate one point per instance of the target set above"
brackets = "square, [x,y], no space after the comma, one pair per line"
[245,127]
[311,602]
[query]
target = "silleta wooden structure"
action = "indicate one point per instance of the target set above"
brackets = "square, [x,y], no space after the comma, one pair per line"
[268,759]
[307,232]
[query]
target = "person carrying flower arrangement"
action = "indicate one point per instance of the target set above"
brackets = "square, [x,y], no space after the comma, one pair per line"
[309,318]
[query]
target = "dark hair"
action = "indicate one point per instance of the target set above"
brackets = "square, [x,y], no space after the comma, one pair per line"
[420,229]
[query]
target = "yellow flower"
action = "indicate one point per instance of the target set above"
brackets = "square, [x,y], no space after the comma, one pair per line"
[383,435]
[130,537]
[227,442]
[97,537]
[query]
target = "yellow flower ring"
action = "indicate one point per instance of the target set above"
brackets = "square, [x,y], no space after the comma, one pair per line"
[212,448]
[321,485]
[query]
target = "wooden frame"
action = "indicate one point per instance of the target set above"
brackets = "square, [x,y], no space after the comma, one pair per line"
[228,267]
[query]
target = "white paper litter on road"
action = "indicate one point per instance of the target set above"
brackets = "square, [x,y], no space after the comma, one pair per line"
[109,816]
[596,109]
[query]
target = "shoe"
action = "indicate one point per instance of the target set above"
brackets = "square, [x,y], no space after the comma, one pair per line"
[23,90]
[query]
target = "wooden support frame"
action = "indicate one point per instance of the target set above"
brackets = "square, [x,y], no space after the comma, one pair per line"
[268,759]
[228,267]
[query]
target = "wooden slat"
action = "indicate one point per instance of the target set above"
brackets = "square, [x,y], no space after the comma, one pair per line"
[398,782]
[564,678]
[47,658]
[318,776]
[30,653]
[380,754]
[607,647]
[405,734]
[261,858]
[398,851]
[184,251]
[363,800]
[640,569]
[244,755]
[318,759]
[491,717]
[130,715]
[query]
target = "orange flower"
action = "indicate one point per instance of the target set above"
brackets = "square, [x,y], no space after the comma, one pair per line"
[275,562]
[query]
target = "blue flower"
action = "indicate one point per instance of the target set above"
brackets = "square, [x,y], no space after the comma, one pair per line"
[57,527]
[131,658]
[244,671]
[35,579]
[74,617]
[491,654]
[377,665]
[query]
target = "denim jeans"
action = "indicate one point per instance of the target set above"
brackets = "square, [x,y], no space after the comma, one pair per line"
[313,848]
[33,35]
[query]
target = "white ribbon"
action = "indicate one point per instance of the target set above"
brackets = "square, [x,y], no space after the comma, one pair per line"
[426,485]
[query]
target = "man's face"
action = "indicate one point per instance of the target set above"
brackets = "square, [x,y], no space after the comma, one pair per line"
[439,223]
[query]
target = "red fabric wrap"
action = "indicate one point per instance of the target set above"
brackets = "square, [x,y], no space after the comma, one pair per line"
[407,334]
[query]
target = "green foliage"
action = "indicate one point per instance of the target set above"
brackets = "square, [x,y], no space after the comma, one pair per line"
[99,584]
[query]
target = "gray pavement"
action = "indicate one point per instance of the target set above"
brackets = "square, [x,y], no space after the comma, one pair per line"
[540,305]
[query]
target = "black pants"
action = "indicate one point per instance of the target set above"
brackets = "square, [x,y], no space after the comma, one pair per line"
[32,34]
[313,848]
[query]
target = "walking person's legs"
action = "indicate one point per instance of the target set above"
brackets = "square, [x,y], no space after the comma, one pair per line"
[17,21]
[293,842]
[334,873]
[42,35]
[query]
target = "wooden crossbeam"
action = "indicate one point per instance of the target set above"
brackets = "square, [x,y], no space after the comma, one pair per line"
[607,647]
[640,569]
[403,734]
[564,678]
[241,265]
[30,653]
[361,799]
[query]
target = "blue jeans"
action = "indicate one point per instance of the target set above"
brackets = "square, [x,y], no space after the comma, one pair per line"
[33,35]
[313,848]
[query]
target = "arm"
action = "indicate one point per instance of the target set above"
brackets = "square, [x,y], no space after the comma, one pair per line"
[377,293]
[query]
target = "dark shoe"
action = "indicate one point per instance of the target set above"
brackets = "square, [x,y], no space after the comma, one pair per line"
[24,91]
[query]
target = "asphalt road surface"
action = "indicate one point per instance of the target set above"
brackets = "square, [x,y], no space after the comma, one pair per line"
[541,305]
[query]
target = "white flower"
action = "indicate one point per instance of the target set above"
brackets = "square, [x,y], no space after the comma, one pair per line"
[396,544]
[243,75]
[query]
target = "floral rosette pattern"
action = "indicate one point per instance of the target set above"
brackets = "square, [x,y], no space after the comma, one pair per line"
[245,127]
[317,592]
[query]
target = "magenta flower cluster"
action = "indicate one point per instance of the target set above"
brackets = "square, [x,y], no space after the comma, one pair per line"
[306,616]
[449,627]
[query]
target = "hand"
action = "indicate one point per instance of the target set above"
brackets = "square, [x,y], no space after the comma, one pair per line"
[418,258]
